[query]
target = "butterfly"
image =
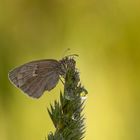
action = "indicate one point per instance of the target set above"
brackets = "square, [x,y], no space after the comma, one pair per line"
[35,77]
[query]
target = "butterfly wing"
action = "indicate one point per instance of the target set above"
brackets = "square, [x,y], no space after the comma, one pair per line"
[35,77]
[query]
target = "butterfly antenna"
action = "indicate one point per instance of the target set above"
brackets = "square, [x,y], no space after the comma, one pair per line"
[70,55]
[64,53]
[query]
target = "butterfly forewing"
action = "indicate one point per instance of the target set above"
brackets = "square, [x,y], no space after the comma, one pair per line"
[35,77]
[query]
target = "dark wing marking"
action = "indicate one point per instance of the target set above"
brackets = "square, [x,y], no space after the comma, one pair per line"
[35,77]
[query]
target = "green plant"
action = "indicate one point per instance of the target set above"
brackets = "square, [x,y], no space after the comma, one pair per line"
[66,114]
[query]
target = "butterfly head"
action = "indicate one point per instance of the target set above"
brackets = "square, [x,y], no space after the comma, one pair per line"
[67,63]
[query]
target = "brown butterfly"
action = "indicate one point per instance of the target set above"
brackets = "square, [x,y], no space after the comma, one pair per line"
[35,77]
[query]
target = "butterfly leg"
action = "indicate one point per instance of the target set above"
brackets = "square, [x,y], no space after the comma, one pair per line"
[61,80]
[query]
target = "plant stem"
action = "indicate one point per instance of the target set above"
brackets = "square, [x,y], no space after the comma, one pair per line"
[66,114]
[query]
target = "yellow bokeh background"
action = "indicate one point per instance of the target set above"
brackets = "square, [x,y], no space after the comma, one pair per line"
[106,36]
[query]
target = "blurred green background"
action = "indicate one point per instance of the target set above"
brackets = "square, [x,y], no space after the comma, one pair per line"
[106,35]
